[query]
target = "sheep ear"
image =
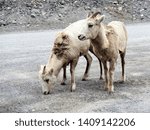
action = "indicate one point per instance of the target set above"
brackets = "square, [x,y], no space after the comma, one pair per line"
[99,19]
[43,67]
[51,71]
[64,36]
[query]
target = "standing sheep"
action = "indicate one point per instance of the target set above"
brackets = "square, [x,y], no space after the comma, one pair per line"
[108,41]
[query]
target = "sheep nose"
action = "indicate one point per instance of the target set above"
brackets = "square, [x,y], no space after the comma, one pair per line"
[81,37]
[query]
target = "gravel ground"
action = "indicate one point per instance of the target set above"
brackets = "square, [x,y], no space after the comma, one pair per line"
[21,55]
[18,15]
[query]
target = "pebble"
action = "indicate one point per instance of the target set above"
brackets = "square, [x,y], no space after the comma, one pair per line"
[142,16]
[33,110]
[33,15]
[9,8]
[60,15]
[115,2]
[62,2]
[14,22]
[120,8]
[87,8]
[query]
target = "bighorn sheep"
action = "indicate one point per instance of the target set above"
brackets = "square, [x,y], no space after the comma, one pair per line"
[66,50]
[108,41]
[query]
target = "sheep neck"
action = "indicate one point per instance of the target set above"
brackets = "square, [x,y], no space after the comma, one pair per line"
[55,64]
[101,39]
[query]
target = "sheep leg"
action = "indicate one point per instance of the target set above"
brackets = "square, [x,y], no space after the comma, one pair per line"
[72,71]
[101,70]
[100,63]
[122,56]
[111,76]
[64,76]
[106,86]
[89,61]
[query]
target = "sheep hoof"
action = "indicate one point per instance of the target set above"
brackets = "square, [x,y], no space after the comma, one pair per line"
[46,92]
[121,81]
[63,83]
[84,79]
[73,87]
[101,78]
[110,92]
[72,90]
[105,89]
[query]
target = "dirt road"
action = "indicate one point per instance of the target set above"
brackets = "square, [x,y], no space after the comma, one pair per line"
[21,55]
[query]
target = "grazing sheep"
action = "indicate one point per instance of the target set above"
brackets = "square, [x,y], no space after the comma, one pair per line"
[108,41]
[66,50]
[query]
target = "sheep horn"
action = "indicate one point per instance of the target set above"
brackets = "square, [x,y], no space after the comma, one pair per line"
[95,14]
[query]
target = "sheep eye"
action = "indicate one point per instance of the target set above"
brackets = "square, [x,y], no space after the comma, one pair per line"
[47,80]
[90,25]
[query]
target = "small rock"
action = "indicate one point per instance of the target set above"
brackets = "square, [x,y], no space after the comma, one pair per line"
[33,15]
[9,8]
[119,8]
[50,15]
[62,2]
[36,11]
[142,16]
[134,17]
[14,22]
[76,2]
[2,14]
[33,110]
[141,10]
[28,5]
[87,8]
[60,19]
[65,13]
[43,13]
[2,23]
[28,25]
[67,0]
[106,8]
[60,15]
[62,6]
[115,2]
